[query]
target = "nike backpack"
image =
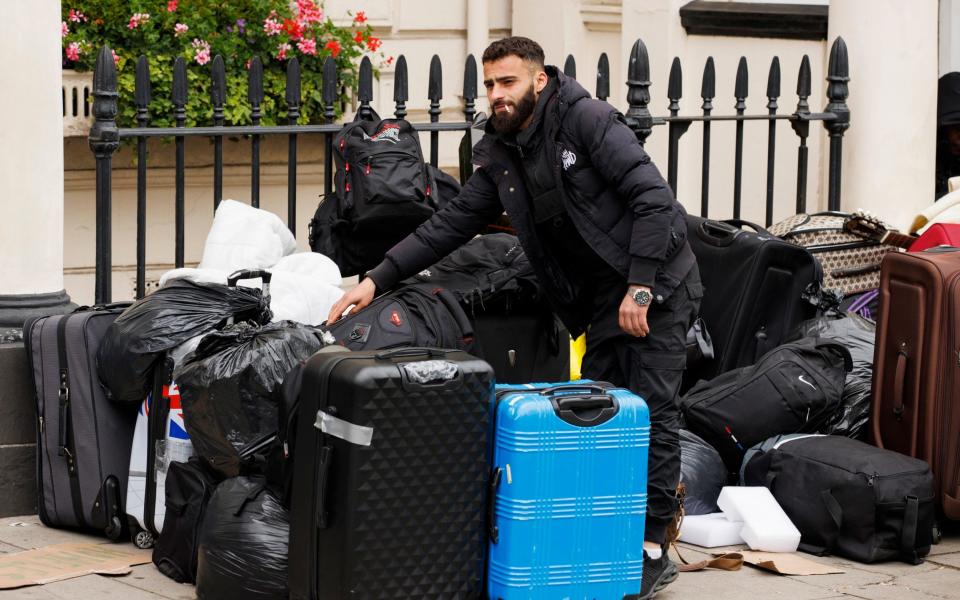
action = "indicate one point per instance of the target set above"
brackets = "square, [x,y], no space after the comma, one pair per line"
[794,388]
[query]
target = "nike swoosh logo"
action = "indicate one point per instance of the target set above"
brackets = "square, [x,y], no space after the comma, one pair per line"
[806,382]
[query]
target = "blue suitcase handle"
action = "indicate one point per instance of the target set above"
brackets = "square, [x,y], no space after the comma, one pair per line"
[599,387]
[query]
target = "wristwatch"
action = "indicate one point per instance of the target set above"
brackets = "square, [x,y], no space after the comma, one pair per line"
[642,297]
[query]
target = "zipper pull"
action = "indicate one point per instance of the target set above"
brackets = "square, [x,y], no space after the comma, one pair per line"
[342,144]
[871,479]
[42,425]
[346,167]
[367,170]
[428,189]
[346,188]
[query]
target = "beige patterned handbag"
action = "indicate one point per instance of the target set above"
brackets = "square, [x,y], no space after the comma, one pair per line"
[850,261]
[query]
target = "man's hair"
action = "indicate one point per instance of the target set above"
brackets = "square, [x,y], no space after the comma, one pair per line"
[522,47]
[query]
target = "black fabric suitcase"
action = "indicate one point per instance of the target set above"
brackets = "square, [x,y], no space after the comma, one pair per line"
[390,476]
[83,440]
[847,497]
[523,348]
[757,288]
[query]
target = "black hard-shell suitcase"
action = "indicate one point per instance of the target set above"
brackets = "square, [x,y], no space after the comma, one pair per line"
[83,440]
[390,476]
[757,288]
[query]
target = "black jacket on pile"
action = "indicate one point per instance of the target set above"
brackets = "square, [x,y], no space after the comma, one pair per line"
[616,197]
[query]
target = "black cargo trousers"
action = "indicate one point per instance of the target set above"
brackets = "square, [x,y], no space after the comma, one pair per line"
[651,367]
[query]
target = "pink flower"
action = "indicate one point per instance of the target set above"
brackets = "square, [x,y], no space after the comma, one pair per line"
[358,37]
[282,50]
[333,46]
[373,43]
[64,29]
[180,29]
[307,46]
[73,51]
[389,60]
[172,5]
[138,19]
[308,11]
[360,17]
[202,51]
[272,27]
[77,17]
[247,64]
[116,59]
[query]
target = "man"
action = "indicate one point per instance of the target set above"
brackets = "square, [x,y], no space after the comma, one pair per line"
[604,235]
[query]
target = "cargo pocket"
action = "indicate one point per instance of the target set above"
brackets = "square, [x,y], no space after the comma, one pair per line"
[655,376]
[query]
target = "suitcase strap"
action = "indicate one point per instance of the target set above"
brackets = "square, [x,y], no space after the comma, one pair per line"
[66,442]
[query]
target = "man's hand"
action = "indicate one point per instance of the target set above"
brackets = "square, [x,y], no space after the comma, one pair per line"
[633,317]
[358,297]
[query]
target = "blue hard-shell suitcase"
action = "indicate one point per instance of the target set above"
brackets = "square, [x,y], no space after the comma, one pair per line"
[570,488]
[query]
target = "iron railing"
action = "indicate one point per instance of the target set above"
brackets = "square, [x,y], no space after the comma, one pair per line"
[105,135]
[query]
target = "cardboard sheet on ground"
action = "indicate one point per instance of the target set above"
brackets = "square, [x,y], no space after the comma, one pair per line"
[787,563]
[66,561]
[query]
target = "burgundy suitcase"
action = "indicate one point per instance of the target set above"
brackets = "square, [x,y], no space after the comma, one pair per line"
[916,381]
[938,234]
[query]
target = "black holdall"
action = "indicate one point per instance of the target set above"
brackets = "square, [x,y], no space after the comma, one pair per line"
[849,498]
[384,190]
[794,388]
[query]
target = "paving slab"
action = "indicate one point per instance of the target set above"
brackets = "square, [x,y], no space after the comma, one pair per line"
[946,560]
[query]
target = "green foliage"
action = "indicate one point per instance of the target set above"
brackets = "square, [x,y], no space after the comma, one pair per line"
[237,30]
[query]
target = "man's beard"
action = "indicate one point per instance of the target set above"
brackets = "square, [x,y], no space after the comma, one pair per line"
[510,122]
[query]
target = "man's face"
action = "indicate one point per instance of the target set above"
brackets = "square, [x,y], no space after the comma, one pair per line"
[513,87]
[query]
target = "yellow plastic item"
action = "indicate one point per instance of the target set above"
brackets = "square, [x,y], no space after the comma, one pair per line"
[578,347]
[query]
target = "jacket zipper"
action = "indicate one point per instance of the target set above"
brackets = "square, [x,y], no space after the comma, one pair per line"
[41,427]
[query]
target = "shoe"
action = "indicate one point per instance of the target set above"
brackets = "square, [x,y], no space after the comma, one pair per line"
[657,574]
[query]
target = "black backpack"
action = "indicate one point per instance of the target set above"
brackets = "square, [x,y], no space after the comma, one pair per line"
[488,274]
[408,316]
[383,191]
[849,498]
[794,388]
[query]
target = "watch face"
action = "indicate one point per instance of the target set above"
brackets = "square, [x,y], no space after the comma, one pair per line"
[642,297]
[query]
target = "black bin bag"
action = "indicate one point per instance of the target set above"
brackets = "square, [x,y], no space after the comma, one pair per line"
[243,545]
[702,473]
[858,335]
[227,387]
[163,320]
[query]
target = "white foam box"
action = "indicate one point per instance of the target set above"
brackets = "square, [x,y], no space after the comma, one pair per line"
[765,526]
[710,531]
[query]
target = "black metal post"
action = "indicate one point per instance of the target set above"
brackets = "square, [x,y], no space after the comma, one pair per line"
[329,93]
[293,115]
[801,126]
[638,115]
[255,96]
[104,140]
[708,91]
[677,127]
[142,100]
[740,93]
[218,97]
[179,97]
[773,92]
[603,77]
[401,86]
[469,113]
[435,93]
[365,89]
[838,74]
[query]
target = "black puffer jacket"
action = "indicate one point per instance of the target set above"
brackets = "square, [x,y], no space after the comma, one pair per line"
[617,198]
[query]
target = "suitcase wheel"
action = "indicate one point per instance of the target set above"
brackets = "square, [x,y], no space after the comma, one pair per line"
[937,534]
[114,530]
[142,539]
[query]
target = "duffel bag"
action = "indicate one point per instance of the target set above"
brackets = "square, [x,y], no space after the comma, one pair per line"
[849,498]
[794,388]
